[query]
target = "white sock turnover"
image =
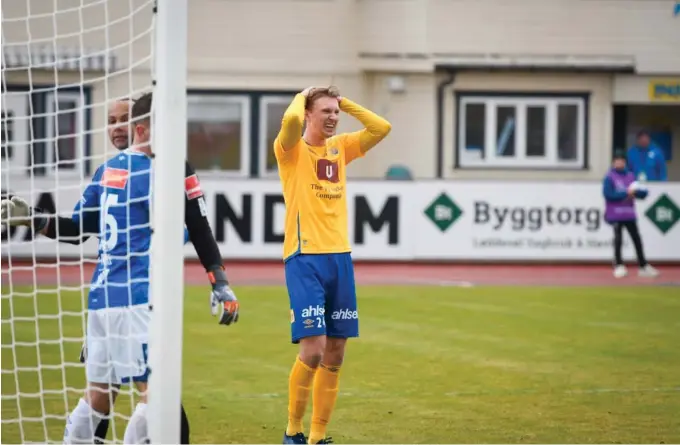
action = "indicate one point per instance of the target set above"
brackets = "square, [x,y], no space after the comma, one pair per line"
[136,431]
[81,424]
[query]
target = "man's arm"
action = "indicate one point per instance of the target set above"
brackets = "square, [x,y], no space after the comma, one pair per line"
[610,193]
[59,228]
[661,161]
[641,194]
[84,221]
[196,221]
[375,130]
[66,230]
[292,122]
[201,236]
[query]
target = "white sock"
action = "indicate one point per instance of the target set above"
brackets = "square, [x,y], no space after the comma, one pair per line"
[81,424]
[136,430]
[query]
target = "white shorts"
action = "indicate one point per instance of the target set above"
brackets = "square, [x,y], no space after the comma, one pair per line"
[117,340]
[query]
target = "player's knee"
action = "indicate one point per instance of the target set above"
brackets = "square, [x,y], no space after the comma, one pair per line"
[335,351]
[101,397]
[312,350]
[142,387]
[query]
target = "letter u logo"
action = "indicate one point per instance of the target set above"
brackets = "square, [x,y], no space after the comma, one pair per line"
[327,170]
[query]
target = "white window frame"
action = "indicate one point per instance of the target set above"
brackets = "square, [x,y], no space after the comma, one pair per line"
[19,164]
[262,131]
[244,102]
[50,155]
[521,160]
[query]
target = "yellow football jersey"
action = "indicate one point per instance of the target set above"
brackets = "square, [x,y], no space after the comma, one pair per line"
[314,184]
[314,190]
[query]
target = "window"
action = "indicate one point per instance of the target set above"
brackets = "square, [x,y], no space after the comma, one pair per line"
[15,130]
[514,131]
[7,136]
[271,113]
[45,131]
[65,123]
[218,133]
[535,132]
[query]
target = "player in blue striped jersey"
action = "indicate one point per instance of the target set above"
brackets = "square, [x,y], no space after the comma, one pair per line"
[116,207]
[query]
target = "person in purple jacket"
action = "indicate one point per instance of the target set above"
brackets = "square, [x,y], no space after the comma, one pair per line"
[620,190]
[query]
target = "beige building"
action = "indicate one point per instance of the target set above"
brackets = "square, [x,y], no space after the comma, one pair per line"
[522,89]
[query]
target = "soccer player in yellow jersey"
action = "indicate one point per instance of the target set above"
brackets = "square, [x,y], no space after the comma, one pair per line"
[318,264]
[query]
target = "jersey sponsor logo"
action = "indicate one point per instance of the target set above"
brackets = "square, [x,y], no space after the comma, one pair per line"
[115,178]
[345,314]
[192,187]
[327,170]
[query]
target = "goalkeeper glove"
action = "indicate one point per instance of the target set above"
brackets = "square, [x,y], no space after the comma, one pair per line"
[17,212]
[222,298]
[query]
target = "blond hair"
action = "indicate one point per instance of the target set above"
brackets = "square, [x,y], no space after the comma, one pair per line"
[318,93]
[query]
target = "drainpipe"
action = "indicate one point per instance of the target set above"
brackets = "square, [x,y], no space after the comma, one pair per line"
[440,122]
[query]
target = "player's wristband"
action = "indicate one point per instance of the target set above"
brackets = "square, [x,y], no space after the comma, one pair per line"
[216,274]
[38,219]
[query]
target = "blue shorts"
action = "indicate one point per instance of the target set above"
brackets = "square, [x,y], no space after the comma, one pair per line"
[323,299]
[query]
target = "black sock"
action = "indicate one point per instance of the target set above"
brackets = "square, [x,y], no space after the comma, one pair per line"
[103,429]
[184,431]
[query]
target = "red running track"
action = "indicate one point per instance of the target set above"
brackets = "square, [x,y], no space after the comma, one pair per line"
[271,273]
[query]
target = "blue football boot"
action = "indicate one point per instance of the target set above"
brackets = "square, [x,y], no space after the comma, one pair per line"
[299,438]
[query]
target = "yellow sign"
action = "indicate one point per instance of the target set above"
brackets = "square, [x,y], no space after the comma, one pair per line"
[664,90]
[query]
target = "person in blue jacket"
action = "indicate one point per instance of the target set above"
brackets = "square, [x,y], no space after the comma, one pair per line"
[620,190]
[646,160]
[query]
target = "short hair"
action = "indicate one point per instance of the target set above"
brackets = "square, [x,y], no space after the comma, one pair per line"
[317,93]
[643,132]
[141,108]
[619,154]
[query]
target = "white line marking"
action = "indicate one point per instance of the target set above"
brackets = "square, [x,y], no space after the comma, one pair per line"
[568,391]
[435,282]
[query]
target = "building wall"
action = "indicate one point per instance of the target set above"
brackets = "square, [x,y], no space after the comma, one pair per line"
[287,45]
[641,30]
[636,89]
[412,114]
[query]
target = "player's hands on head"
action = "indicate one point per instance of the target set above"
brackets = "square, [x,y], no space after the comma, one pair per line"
[15,212]
[223,301]
[307,91]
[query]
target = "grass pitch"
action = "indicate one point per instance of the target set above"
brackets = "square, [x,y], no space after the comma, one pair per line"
[432,365]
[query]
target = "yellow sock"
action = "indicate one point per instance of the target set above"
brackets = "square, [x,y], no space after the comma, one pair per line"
[325,395]
[299,385]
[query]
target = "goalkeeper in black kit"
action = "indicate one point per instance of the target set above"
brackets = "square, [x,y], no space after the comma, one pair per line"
[199,234]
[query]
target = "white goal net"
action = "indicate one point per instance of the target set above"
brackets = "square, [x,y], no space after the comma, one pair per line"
[65,64]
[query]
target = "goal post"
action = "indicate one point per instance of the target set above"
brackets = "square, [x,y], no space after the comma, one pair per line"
[169,138]
[64,64]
